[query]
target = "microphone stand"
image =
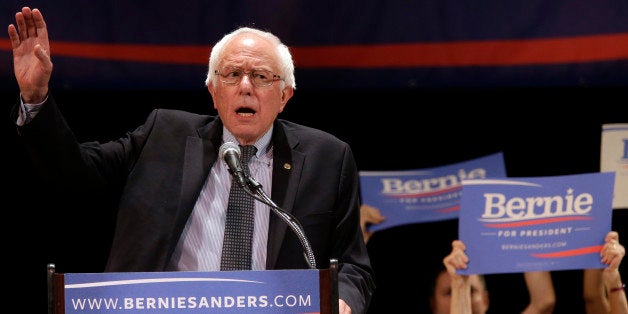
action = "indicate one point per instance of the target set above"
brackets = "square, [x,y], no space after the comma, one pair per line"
[288,218]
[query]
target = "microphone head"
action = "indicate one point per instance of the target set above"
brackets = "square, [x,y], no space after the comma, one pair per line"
[229,146]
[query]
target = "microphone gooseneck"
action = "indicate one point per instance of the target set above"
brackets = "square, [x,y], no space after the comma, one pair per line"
[288,218]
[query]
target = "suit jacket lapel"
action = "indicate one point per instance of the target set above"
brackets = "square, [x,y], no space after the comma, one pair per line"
[287,167]
[201,152]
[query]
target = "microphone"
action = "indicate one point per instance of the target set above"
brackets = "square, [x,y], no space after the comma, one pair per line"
[230,152]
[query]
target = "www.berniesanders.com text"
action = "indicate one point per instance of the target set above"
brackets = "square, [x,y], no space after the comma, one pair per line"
[190,302]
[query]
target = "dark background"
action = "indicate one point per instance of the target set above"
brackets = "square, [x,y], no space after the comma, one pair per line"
[542,104]
[542,132]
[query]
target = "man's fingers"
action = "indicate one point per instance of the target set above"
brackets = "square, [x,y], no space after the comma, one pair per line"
[14,36]
[21,25]
[38,19]
[30,23]
[42,54]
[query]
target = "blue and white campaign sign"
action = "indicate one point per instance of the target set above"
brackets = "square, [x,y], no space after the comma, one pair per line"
[276,291]
[614,157]
[533,224]
[423,195]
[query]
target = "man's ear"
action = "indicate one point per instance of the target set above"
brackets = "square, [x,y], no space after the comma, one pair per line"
[211,89]
[286,94]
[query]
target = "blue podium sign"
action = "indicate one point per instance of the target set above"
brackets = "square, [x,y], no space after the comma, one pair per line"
[276,291]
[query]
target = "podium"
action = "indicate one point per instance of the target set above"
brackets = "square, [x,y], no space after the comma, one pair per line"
[268,291]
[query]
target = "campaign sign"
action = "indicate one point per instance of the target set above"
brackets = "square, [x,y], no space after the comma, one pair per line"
[533,224]
[275,291]
[614,157]
[422,195]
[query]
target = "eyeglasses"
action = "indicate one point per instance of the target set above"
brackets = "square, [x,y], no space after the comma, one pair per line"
[259,78]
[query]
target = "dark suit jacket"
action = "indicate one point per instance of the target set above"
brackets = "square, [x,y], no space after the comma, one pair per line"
[158,171]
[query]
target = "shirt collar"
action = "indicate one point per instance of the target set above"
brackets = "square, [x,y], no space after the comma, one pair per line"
[262,144]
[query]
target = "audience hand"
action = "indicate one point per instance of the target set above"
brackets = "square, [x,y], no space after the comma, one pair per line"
[369,215]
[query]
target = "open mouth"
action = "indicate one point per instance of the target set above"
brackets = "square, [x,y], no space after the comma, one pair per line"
[245,112]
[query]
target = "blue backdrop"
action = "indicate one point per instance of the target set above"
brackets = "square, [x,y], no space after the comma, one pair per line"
[100,44]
